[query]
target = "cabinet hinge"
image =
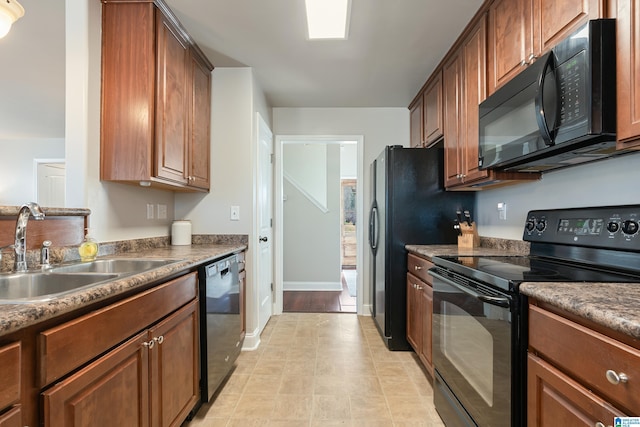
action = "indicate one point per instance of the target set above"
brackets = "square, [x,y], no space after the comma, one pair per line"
[271,222]
[271,158]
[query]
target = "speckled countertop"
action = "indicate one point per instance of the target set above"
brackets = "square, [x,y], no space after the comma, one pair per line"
[17,316]
[613,305]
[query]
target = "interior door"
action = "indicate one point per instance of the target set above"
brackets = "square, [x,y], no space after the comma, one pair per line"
[264,276]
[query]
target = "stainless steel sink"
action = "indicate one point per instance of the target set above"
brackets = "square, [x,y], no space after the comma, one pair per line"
[38,286]
[113,265]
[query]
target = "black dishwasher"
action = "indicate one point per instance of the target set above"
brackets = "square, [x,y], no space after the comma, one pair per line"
[220,322]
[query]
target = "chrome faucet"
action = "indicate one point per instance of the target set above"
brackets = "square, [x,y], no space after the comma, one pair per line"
[20,246]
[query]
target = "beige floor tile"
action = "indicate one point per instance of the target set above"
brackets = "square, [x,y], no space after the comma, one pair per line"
[290,407]
[263,384]
[331,408]
[323,370]
[300,385]
[369,408]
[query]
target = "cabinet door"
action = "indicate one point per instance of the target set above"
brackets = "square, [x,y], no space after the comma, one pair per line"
[414,321]
[175,367]
[452,87]
[556,19]
[475,60]
[433,120]
[415,118]
[13,418]
[171,103]
[426,353]
[628,75]
[11,362]
[554,399]
[120,379]
[199,126]
[511,40]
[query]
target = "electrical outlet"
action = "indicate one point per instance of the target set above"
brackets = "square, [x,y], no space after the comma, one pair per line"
[502,211]
[162,211]
[150,210]
[235,213]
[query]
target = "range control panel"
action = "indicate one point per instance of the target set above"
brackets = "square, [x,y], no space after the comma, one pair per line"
[611,227]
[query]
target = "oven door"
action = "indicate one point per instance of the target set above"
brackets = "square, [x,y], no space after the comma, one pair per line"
[472,327]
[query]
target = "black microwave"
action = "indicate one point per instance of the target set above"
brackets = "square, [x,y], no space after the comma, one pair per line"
[559,111]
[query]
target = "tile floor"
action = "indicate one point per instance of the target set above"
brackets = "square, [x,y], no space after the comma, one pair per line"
[326,369]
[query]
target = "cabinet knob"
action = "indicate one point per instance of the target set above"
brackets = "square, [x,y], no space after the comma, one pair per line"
[523,63]
[159,339]
[417,267]
[531,58]
[149,344]
[599,424]
[616,378]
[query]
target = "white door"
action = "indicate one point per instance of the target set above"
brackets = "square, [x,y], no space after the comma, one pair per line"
[264,275]
[50,184]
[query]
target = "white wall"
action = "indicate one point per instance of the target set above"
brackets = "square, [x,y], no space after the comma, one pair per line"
[17,185]
[311,236]
[305,166]
[608,182]
[348,161]
[379,126]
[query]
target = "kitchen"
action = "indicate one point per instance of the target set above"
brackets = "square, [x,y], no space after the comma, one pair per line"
[611,181]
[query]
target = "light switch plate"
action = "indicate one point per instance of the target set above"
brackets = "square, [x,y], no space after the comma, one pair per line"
[235,213]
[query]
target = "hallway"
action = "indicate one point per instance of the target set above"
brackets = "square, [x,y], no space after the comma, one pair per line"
[315,370]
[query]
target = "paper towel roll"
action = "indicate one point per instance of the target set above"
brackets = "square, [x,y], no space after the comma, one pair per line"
[181,232]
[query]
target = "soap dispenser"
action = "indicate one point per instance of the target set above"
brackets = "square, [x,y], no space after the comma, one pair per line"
[88,250]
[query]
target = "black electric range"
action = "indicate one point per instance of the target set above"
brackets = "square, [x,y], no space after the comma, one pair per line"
[476,305]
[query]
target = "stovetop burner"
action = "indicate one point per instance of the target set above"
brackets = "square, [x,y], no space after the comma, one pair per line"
[509,271]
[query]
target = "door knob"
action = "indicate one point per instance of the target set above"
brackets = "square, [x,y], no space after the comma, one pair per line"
[263,239]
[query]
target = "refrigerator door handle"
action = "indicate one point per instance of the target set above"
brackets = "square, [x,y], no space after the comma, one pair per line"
[375,231]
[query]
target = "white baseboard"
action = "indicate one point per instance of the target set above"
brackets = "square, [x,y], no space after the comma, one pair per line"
[367,310]
[312,286]
[251,341]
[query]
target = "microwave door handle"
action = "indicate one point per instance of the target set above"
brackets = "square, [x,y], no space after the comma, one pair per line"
[541,113]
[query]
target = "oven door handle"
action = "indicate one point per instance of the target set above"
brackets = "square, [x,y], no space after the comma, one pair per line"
[499,301]
[504,302]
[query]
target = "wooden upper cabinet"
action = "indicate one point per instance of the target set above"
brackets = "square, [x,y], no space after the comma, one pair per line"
[511,41]
[452,98]
[522,30]
[171,93]
[416,123]
[155,114]
[200,130]
[433,128]
[557,19]
[628,74]
[474,53]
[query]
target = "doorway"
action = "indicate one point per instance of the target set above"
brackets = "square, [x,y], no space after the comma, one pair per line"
[318,194]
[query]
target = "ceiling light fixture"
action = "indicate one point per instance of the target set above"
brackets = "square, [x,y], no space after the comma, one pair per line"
[10,12]
[328,19]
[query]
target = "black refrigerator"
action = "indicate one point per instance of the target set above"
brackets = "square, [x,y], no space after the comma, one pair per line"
[409,206]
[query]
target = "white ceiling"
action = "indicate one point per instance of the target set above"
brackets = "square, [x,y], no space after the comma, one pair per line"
[392,48]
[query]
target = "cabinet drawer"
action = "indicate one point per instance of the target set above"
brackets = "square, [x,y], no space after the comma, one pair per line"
[10,379]
[587,355]
[68,346]
[419,267]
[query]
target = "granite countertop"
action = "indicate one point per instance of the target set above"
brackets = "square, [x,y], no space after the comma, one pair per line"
[431,251]
[612,305]
[17,316]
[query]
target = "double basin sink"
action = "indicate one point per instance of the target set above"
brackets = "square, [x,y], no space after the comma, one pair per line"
[65,278]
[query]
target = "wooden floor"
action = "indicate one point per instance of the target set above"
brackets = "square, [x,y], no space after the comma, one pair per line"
[319,302]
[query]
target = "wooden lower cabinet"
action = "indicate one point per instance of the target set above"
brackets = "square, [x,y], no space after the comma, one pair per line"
[13,418]
[420,309]
[569,364]
[150,380]
[554,399]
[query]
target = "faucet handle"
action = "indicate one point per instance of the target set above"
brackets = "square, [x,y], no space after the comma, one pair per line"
[45,254]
